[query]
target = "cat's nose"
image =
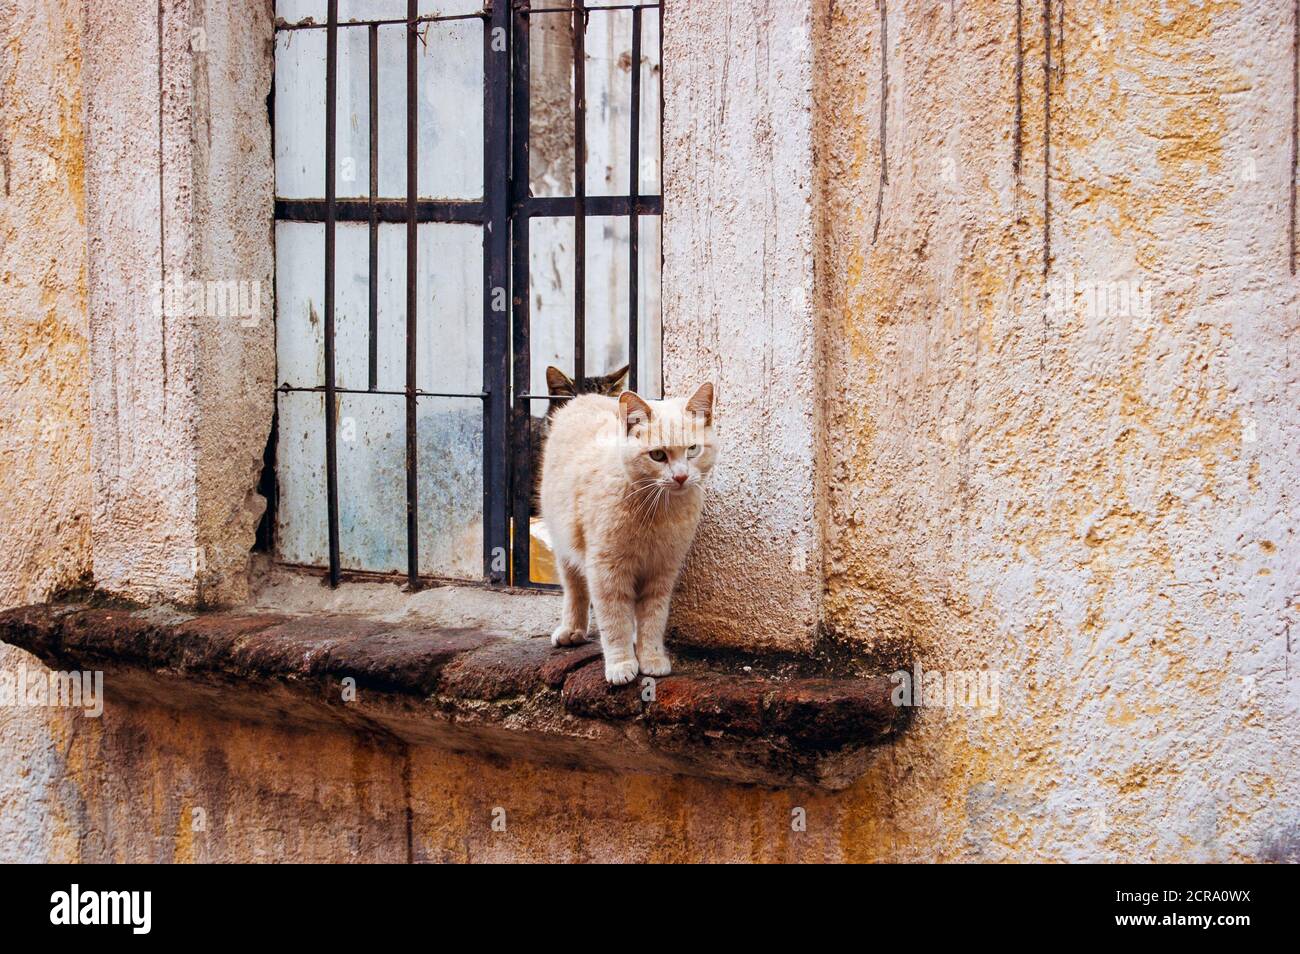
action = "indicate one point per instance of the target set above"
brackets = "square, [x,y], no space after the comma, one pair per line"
[680,478]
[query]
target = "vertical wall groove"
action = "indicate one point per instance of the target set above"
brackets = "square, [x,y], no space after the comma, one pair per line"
[1047,137]
[1018,124]
[1295,127]
[882,6]
[162,217]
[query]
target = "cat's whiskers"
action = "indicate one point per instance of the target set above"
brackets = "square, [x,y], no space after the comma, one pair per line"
[640,487]
[648,505]
[653,510]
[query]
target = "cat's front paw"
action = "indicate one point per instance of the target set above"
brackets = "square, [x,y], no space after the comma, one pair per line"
[620,673]
[655,664]
[564,636]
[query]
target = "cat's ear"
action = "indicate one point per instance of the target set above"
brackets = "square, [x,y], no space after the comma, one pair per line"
[615,381]
[632,411]
[701,403]
[558,383]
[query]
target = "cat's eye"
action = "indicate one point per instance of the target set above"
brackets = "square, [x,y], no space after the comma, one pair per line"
[659,455]
[693,450]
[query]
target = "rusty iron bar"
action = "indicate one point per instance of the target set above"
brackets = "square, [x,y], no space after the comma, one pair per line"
[496,285]
[372,275]
[521,486]
[633,223]
[458,212]
[331,399]
[579,192]
[412,300]
[611,8]
[386,210]
[318,389]
[308,23]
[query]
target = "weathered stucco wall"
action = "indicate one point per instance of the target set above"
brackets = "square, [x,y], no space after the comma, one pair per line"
[1092,503]
[179,184]
[232,242]
[738,311]
[44,401]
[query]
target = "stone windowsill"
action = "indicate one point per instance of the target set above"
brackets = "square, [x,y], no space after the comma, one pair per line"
[744,719]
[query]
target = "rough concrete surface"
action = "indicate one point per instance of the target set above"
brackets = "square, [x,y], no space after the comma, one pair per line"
[738,310]
[177,120]
[44,356]
[1091,500]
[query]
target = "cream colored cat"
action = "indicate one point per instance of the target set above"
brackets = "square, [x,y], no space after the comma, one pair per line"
[622,492]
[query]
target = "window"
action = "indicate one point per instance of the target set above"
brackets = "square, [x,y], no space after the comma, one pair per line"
[465,195]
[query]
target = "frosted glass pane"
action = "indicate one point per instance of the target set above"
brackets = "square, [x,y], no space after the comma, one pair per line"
[451,487]
[373,9]
[300,114]
[449,308]
[608,72]
[448,8]
[351,306]
[449,290]
[301,520]
[450,78]
[300,313]
[392,111]
[391,318]
[550,104]
[550,289]
[607,294]
[451,111]
[295,10]
[450,313]
[300,303]
[609,102]
[650,336]
[651,105]
[607,300]
[372,482]
[352,143]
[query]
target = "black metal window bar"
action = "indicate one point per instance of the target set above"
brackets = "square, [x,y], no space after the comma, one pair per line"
[504,212]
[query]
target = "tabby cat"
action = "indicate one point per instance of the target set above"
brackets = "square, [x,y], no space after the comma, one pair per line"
[559,384]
